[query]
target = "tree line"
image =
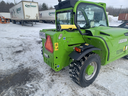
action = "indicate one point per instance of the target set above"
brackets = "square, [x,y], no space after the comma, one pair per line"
[116,11]
[44,6]
[5,6]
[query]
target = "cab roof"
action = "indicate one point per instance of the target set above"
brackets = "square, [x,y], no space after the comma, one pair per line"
[71,4]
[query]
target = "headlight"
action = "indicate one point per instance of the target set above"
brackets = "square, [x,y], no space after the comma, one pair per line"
[42,35]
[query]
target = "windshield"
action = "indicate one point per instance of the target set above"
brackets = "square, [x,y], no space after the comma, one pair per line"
[64,18]
[90,15]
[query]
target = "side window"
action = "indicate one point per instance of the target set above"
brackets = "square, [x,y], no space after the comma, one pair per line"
[64,18]
[81,19]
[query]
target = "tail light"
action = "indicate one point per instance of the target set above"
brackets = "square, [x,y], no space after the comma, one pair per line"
[48,44]
[77,49]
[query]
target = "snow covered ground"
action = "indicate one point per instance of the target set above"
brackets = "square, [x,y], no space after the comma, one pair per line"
[23,72]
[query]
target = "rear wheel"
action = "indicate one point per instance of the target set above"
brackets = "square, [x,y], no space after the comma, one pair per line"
[85,71]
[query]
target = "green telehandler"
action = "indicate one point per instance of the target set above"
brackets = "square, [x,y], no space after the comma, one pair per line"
[82,40]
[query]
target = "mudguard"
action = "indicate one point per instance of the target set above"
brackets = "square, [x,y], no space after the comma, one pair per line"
[77,56]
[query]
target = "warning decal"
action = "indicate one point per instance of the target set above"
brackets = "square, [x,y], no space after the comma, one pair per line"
[56,46]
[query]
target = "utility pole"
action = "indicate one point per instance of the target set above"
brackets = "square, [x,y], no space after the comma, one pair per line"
[120,8]
[14,2]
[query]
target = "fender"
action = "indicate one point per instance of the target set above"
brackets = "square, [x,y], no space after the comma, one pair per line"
[77,56]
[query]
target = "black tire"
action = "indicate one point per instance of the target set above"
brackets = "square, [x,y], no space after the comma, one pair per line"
[125,57]
[32,23]
[13,21]
[78,68]
[22,23]
[42,21]
[53,22]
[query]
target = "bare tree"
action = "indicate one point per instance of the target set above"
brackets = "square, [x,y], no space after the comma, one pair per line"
[40,7]
[51,7]
[116,11]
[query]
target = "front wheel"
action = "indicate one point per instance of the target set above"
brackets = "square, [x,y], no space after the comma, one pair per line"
[85,71]
[126,57]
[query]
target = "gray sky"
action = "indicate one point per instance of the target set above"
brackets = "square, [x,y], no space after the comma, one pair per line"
[114,3]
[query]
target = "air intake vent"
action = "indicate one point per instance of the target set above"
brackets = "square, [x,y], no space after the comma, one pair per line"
[104,34]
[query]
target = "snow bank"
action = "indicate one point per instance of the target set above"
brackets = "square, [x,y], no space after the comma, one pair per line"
[113,21]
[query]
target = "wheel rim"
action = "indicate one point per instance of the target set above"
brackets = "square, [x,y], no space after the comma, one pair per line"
[90,70]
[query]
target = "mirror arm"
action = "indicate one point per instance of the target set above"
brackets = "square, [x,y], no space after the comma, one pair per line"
[75,18]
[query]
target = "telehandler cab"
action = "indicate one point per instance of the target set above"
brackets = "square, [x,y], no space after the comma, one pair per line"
[82,40]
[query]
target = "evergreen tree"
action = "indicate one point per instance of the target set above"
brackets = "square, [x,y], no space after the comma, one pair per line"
[4,7]
[51,7]
[44,6]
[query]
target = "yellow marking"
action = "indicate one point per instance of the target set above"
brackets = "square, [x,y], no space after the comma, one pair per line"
[56,46]
[86,44]
[124,48]
[70,27]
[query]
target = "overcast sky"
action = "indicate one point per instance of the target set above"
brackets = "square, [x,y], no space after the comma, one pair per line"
[114,3]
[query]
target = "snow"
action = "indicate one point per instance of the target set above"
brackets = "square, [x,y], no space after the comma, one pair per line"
[113,21]
[20,57]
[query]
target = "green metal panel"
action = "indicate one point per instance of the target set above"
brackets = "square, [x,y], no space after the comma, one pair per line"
[60,59]
[112,39]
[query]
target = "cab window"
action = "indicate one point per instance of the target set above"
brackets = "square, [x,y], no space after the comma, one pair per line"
[95,15]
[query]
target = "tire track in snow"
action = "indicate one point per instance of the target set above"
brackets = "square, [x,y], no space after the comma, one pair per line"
[102,91]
